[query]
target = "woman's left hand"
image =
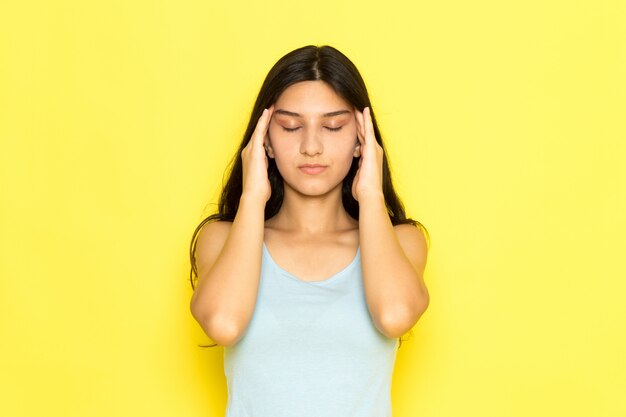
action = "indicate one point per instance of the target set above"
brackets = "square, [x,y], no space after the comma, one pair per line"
[368,177]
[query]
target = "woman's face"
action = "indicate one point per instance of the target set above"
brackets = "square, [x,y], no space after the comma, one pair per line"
[311,124]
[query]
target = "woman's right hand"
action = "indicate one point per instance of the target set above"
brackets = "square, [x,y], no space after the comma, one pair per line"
[256,182]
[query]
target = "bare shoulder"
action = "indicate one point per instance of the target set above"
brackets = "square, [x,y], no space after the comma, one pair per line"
[414,244]
[210,242]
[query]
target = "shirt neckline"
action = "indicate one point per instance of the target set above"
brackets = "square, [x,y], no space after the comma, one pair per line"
[319,282]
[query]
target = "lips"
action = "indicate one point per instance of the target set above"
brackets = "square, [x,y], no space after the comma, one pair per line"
[312,168]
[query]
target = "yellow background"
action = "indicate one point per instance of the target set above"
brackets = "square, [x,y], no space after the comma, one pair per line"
[505,127]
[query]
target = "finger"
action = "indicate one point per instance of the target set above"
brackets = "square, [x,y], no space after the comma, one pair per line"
[260,129]
[266,129]
[359,124]
[369,127]
[270,113]
[259,124]
[266,119]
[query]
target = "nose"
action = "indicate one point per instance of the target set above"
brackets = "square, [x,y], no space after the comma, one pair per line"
[311,143]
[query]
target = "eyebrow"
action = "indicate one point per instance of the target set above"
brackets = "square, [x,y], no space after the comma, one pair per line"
[331,114]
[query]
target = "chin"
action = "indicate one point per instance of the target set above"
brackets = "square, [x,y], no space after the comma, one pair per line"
[311,188]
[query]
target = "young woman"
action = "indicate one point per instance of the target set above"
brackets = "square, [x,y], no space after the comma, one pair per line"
[310,272]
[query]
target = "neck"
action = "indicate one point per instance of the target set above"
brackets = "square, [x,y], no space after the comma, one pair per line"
[312,215]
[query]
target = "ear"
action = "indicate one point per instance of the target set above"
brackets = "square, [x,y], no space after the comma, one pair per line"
[357,149]
[268,147]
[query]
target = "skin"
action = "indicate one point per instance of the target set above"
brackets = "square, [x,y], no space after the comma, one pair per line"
[312,236]
[312,203]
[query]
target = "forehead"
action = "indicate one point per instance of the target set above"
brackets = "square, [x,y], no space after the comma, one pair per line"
[311,97]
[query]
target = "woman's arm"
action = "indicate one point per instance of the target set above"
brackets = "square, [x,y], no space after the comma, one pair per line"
[393,261]
[229,261]
[228,257]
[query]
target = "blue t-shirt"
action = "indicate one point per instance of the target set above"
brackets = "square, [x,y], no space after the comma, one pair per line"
[310,350]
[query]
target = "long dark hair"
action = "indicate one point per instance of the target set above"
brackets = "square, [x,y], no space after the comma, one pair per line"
[308,63]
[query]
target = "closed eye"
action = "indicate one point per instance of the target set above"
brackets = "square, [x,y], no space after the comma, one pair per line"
[332,129]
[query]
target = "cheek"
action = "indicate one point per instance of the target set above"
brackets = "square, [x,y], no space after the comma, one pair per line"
[351,131]
[272,130]
[350,136]
[276,135]
[282,142]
